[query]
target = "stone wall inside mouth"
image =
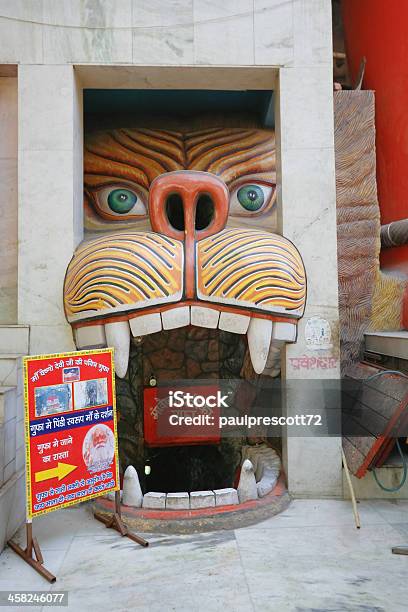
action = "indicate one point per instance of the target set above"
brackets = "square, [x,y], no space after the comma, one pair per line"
[184,353]
[192,353]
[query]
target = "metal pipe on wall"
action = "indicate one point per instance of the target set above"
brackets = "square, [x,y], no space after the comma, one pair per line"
[394,234]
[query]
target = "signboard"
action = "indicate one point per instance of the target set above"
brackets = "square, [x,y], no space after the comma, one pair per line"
[196,423]
[70,429]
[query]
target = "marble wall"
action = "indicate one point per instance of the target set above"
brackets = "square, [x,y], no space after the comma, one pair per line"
[8,200]
[171,32]
[50,199]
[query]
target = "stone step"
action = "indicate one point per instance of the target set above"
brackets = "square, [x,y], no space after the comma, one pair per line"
[8,369]
[14,339]
[3,391]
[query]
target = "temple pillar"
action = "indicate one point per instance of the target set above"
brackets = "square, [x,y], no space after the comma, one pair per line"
[50,178]
[307,217]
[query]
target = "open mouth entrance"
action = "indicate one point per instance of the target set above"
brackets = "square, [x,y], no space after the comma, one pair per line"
[186,354]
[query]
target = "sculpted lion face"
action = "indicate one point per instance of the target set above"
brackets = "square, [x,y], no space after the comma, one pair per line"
[180,231]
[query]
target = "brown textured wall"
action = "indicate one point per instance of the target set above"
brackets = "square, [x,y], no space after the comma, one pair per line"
[358,216]
[368,299]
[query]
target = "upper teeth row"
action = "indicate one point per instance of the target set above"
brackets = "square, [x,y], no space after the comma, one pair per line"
[265,337]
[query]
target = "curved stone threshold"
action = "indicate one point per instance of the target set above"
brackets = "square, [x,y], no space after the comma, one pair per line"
[205,519]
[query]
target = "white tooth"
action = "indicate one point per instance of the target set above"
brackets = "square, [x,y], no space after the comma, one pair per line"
[90,336]
[259,339]
[204,317]
[146,324]
[234,323]
[284,331]
[176,317]
[246,488]
[118,336]
[132,492]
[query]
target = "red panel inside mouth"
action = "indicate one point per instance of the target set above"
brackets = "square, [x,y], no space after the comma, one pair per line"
[159,432]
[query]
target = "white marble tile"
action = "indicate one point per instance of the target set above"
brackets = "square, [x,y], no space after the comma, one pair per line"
[163,45]
[87,46]
[402,528]
[14,340]
[6,505]
[223,32]
[20,384]
[273,32]
[10,441]
[312,23]
[12,508]
[48,338]
[307,182]
[10,406]
[78,166]
[20,434]
[305,513]
[17,574]
[21,9]
[45,249]
[306,107]
[46,99]
[8,371]
[20,458]
[323,568]
[52,531]
[158,13]
[8,202]
[9,470]
[307,474]
[18,510]
[316,243]
[8,241]
[208,565]
[20,41]
[394,511]
[2,444]
[88,13]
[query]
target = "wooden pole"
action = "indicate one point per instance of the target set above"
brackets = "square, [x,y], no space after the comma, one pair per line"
[353,497]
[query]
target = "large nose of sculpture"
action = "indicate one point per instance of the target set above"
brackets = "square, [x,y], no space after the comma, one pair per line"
[188,206]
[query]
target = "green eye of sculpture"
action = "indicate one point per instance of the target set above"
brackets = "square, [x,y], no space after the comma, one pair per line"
[121,200]
[251,197]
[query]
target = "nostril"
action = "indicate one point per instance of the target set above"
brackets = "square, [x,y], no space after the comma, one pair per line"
[204,211]
[175,211]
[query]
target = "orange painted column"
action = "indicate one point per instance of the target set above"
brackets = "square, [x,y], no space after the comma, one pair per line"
[378,30]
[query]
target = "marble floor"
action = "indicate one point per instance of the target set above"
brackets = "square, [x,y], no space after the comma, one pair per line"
[310,558]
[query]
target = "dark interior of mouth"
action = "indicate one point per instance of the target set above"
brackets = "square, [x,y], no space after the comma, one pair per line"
[191,468]
[189,353]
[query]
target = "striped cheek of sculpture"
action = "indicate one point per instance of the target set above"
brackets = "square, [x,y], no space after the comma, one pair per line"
[180,231]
